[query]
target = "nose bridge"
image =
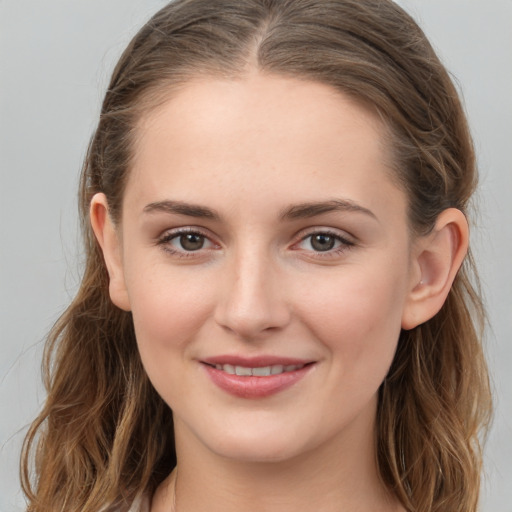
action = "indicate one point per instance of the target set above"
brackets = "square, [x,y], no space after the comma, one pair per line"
[252,299]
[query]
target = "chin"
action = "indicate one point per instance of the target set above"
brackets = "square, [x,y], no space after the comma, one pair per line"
[258,442]
[258,450]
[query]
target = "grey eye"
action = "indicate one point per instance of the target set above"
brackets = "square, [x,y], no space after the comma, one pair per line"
[322,242]
[191,241]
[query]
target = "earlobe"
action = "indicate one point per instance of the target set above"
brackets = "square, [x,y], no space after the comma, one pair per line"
[108,239]
[439,256]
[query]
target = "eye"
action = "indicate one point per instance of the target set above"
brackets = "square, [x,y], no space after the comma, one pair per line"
[184,242]
[190,241]
[324,242]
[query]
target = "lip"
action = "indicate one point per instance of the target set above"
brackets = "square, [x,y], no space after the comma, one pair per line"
[254,387]
[255,361]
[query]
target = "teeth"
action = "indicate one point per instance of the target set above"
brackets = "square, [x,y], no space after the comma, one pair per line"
[265,371]
[240,370]
[261,371]
[276,369]
[228,369]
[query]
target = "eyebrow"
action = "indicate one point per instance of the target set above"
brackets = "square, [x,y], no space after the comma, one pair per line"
[308,210]
[182,208]
[298,211]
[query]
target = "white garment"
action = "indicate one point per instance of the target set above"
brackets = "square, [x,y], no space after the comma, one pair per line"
[141,504]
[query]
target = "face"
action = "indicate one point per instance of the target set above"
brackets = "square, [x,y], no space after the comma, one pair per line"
[262,235]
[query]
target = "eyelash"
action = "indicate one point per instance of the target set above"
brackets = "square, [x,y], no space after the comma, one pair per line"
[164,241]
[168,237]
[344,243]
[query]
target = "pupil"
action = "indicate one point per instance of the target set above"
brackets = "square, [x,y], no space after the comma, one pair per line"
[192,241]
[322,242]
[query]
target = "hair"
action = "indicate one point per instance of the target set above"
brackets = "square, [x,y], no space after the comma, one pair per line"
[104,435]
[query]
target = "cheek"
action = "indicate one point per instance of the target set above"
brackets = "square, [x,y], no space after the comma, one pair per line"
[357,316]
[168,310]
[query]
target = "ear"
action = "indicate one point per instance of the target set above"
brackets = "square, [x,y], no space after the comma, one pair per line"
[110,243]
[437,259]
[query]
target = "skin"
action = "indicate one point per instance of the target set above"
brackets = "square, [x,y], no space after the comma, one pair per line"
[249,150]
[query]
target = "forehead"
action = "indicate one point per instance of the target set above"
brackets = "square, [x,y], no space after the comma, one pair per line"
[260,134]
[263,104]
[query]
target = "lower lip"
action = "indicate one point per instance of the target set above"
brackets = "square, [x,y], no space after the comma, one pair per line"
[255,387]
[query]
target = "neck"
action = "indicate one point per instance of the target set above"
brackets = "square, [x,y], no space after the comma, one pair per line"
[340,475]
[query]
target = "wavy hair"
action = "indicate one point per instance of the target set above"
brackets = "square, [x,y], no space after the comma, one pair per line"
[104,435]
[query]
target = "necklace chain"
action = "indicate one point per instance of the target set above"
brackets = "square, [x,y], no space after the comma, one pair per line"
[173,509]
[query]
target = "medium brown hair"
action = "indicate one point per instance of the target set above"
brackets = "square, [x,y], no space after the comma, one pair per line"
[104,435]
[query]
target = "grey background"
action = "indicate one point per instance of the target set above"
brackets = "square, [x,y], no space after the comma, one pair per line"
[55,60]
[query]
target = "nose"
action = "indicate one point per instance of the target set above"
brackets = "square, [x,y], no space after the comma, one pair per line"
[252,301]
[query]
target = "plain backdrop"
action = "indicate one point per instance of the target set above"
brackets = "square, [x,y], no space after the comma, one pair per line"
[55,60]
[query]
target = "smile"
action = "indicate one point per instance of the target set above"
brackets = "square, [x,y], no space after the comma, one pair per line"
[258,371]
[255,378]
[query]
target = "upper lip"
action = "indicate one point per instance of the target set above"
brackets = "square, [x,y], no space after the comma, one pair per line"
[255,361]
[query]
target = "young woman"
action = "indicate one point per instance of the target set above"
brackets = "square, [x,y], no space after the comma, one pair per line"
[277,310]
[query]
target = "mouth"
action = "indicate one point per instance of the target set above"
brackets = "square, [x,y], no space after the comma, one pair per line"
[257,371]
[256,377]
